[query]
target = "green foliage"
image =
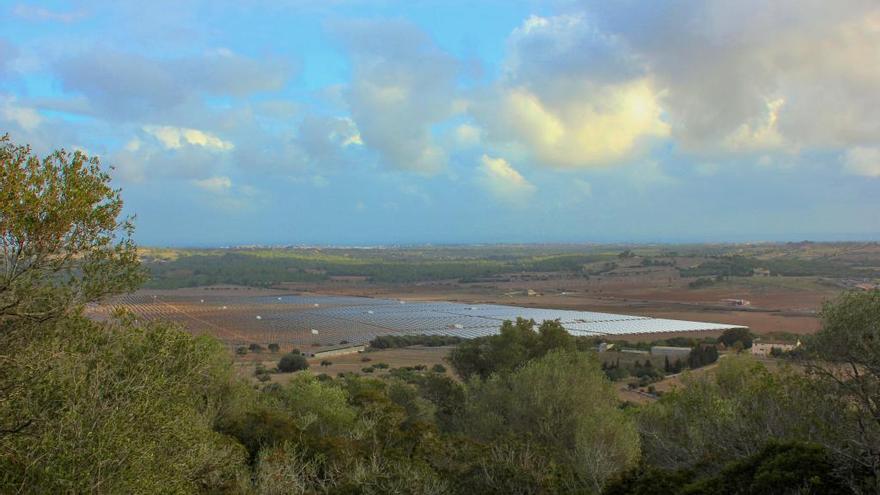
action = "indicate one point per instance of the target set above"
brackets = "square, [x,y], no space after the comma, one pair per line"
[438,368]
[733,335]
[701,283]
[63,242]
[845,356]
[702,355]
[728,266]
[777,468]
[730,414]
[396,341]
[274,347]
[560,406]
[291,362]
[116,408]
[515,345]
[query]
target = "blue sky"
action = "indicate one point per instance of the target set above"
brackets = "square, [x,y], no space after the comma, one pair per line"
[356,122]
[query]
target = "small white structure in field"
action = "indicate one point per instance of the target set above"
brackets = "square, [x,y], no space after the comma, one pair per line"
[316,305]
[259,317]
[279,298]
[314,332]
[224,307]
[201,300]
[370,311]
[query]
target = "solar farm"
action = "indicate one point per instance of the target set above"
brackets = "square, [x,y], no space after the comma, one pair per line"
[316,320]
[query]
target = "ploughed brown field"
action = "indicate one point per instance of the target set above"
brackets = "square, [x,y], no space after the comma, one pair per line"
[788,304]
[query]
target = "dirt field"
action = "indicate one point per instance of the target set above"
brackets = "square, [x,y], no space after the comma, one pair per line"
[350,363]
[788,304]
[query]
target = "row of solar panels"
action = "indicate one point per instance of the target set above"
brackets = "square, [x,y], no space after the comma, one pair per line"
[475,320]
[360,319]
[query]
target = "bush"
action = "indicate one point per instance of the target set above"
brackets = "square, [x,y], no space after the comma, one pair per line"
[292,362]
[368,369]
[274,347]
[326,363]
[255,348]
[241,351]
[733,335]
[438,368]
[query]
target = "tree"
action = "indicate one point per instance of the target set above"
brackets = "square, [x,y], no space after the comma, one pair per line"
[515,345]
[292,362]
[733,335]
[274,347]
[62,238]
[562,406]
[845,354]
[727,415]
[119,408]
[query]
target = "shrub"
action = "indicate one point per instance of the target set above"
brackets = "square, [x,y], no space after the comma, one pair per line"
[326,363]
[438,368]
[255,348]
[292,362]
[241,351]
[274,347]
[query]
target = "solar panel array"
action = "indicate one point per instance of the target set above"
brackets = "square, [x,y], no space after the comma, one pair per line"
[304,320]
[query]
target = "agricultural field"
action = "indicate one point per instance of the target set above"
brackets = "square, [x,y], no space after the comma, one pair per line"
[233,293]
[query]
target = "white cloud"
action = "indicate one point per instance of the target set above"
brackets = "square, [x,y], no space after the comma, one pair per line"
[467,136]
[755,75]
[569,99]
[760,135]
[27,118]
[593,126]
[864,161]
[402,86]
[215,185]
[504,182]
[176,137]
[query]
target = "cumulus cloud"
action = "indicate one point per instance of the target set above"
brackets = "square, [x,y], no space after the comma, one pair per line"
[503,181]
[214,184]
[124,85]
[570,98]
[746,75]
[25,117]
[864,161]
[167,152]
[176,137]
[402,85]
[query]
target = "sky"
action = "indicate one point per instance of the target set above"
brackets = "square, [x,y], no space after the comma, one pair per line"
[339,122]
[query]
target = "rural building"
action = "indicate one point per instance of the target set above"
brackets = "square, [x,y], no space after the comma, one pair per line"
[604,347]
[669,351]
[760,272]
[737,302]
[765,347]
[336,350]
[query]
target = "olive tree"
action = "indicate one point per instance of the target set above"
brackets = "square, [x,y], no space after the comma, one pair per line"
[62,237]
[845,354]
